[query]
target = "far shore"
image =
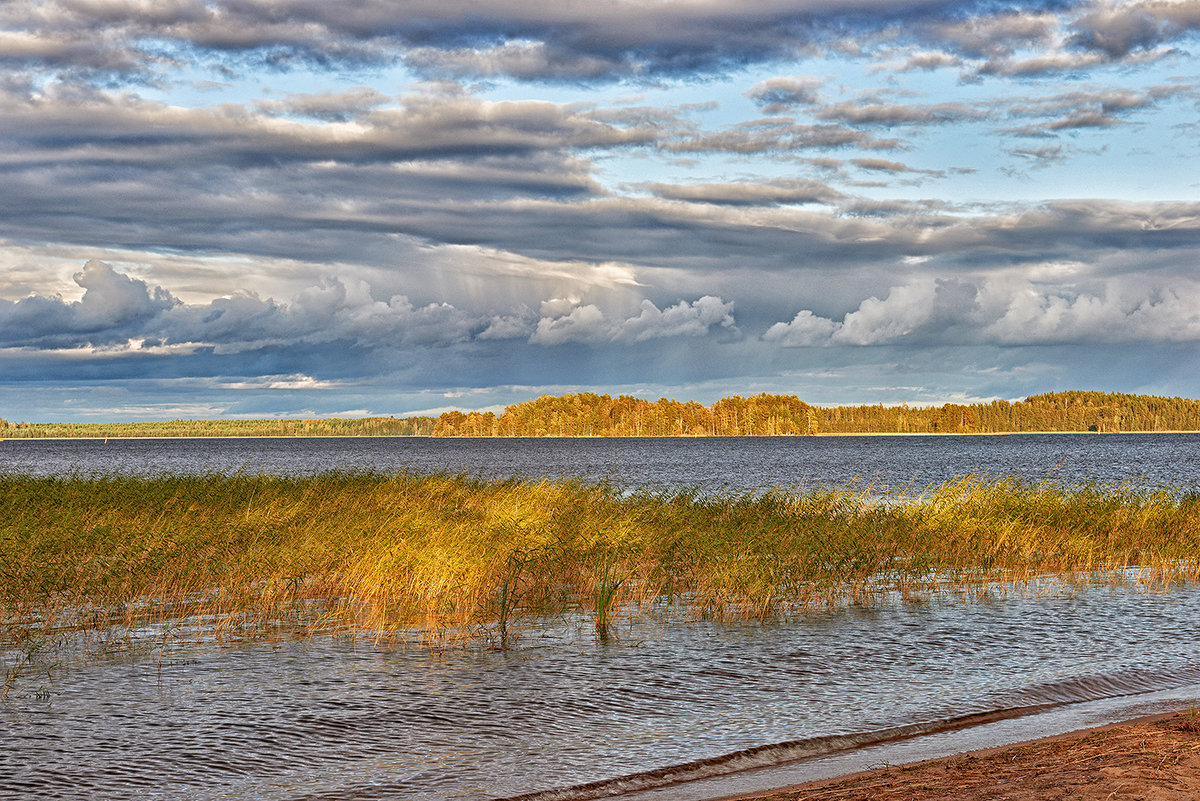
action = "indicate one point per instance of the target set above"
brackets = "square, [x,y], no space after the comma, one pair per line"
[1155,758]
[674,436]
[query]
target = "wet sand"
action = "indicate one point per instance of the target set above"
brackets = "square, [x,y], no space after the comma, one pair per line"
[1149,759]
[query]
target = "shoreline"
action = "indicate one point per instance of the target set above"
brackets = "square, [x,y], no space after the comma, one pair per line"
[677,436]
[1154,757]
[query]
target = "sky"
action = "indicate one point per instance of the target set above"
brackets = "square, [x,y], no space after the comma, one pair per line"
[282,208]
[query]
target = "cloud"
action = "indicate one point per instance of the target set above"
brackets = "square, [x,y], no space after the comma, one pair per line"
[284,382]
[435,122]
[1006,311]
[575,323]
[1042,64]
[336,310]
[805,330]
[117,310]
[888,115]
[580,324]
[341,106]
[927,60]
[596,41]
[1092,108]
[1118,29]
[779,135]
[524,60]
[884,165]
[572,42]
[990,35]
[541,207]
[113,308]
[1042,156]
[465,195]
[782,94]
[746,193]
[682,319]
[510,326]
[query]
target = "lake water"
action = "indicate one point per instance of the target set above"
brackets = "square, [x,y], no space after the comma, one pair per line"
[671,711]
[736,463]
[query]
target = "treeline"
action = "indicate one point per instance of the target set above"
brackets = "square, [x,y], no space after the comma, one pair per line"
[592,415]
[331,427]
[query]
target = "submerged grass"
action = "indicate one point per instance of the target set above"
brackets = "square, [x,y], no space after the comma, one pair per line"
[461,558]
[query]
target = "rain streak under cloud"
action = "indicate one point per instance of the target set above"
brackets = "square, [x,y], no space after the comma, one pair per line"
[261,208]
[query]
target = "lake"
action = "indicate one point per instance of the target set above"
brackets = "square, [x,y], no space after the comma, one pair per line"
[671,710]
[734,463]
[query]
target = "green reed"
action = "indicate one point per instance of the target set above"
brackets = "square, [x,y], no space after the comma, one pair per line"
[460,558]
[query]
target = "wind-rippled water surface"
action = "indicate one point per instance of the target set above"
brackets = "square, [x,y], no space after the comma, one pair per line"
[339,718]
[735,463]
[344,718]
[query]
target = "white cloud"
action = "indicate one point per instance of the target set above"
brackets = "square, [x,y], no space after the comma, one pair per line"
[806,329]
[682,319]
[125,314]
[1005,311]
[581,324]
[507,326]
[589,324]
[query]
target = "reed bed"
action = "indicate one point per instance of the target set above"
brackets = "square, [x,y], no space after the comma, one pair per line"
[454,557]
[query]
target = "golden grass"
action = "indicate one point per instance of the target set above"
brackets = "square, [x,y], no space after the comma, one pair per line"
[457,557]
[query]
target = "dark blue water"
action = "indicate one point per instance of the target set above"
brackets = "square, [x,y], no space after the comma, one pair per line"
[737,463]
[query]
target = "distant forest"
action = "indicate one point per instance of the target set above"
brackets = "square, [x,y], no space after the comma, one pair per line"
[330,427]
[591,415]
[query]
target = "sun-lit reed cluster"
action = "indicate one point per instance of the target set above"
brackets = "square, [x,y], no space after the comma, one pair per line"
[462,558]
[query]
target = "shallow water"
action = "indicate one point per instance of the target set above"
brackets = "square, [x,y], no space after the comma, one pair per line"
[342,718]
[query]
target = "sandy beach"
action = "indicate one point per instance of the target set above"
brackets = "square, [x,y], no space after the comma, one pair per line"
[1150,759]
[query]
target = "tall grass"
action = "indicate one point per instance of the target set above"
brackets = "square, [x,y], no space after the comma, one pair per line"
[451,556]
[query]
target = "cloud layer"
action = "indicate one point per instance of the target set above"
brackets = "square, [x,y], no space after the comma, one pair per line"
[581,41]
[686,196]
